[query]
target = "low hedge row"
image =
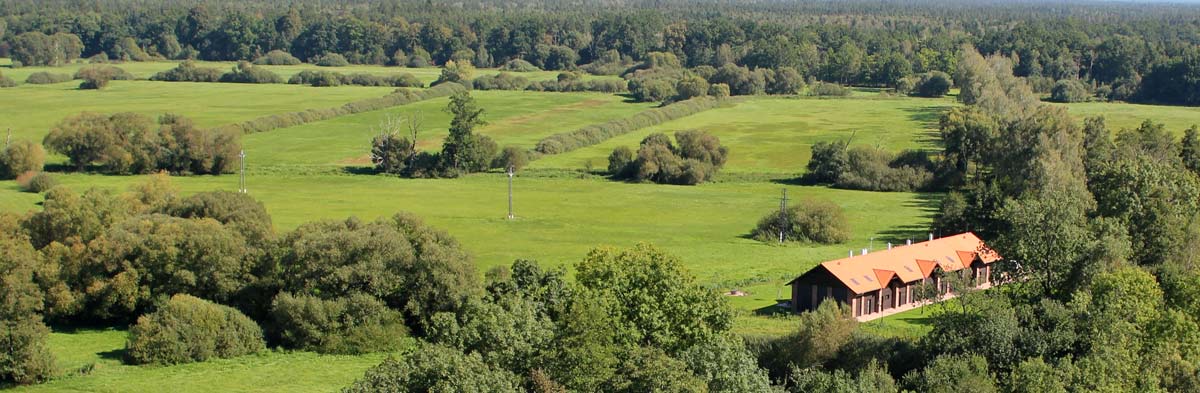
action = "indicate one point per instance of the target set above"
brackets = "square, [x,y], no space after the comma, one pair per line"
[399,97]
[596,133]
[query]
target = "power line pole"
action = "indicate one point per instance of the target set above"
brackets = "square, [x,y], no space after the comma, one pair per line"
[242,181]
[783,214]
[510,181]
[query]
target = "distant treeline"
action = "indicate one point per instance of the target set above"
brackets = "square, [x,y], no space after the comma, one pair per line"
[1119,51]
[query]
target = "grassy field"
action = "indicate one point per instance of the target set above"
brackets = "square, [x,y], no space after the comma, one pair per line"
[299,174]
[1118,115]
[100,351]
[775,135]
[514,117]
[31,110]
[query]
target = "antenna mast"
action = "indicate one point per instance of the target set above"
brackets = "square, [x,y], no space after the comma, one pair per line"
[242,181]
[511,170]
[783,214]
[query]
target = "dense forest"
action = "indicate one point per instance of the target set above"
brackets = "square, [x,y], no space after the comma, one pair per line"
[1145,52]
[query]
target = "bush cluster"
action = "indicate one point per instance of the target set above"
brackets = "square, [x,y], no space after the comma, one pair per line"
[1069,90]
[932,84]
[245,72]
[6,81]
[811,220]
[47,78]
[501,81]
[330,78]
[331,60]
[396,98]
[20,157]
[519,65]
[96,77]
[36,182]
[355,324]
[593,134]
[827,89]
[457,72]
[26,357]
[865,168]
[188,71]
[576,84]
[188,329]
[277,57]
[128,143]
[694,158]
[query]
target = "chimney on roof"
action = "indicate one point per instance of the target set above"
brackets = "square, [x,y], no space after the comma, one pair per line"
[864,251]
[908,242]
[931,236]
[889,245]
[852,253]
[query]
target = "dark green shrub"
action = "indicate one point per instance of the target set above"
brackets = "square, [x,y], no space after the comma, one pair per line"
[419,58]
[6,81]
[932,84]
[236,211]
[1069,90]
[245,72]
[457,72]
[718,90]
[511,157]
[354,324]
[331,60]
[36,182]
[785,81]
[392,153]
[277,57]
[501,81]
[409,266]
[811,220]
[827,89]
[877,170]
[34,48]
[188,71]
[96,77]
[593,134]
[519,65]
[316,78]
[436,368]
[188,329]
[21,156]
[619,160]
[47,78]
[741,80]
[698,156]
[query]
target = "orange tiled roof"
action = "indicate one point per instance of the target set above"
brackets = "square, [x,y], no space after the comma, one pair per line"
[863,273]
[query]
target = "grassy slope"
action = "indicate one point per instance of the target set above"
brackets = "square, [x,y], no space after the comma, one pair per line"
[266,372]
[775,134]
[1118,115]
[519,118]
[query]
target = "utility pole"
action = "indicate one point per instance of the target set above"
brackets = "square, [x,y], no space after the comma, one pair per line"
[783,214]
[8,140]
[511,171]
[242,181]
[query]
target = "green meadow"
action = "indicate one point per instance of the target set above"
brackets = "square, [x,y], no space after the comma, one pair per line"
[312,172]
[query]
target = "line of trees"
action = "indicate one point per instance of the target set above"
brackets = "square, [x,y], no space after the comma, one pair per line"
[130,143]
[1145,53]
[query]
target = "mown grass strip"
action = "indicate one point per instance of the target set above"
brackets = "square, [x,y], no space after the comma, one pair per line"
[596,133]
[399,97]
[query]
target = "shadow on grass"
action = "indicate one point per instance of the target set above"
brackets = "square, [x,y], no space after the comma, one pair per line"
[116,354]
[773,310]
[930,118]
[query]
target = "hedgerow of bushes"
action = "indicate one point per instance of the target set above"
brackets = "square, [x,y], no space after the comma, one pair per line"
[47,78]
[593,134]
[245,72]
[189,329]
[396,98]
[96,77]
[188,71]
[330,78]
[331,60]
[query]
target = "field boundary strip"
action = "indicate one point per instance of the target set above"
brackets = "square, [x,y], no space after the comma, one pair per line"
[402,96]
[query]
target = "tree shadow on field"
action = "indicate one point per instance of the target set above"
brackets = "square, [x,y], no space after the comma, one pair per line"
[116,354]
[359,170]
[930,118]
[773,310]
[929,204]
